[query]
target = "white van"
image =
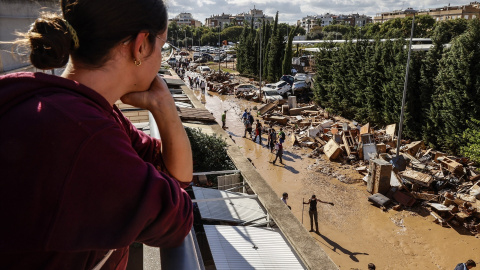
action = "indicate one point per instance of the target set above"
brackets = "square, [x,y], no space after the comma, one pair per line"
[203,69]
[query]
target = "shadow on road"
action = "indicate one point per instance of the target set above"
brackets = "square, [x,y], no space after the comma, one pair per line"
[286,167]
[294,156]
[336,246]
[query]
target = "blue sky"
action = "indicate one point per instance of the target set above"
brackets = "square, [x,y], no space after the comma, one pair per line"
[290,11]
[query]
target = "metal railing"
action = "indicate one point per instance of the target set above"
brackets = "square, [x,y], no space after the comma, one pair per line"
[187,256]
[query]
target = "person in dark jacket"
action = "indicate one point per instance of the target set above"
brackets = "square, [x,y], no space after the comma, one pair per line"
[79,182]
[258,132]
[465,266]
[312,212]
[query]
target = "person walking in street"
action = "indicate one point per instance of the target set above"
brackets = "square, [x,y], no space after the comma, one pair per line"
[244,115]
[248,126]
[224,119]
[250,121]
[258,132]
[284,199]
[312,212]
[465,266]
[279,148]
[202,86]
[273,139]
[281,136]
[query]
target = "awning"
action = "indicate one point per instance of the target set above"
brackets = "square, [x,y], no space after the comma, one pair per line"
[240,247]
[231,210]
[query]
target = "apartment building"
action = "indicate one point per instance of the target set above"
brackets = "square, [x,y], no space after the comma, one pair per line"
[240,19]
[470,11]
[186,19]
[310,21]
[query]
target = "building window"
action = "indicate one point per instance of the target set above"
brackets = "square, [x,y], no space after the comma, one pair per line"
[466,17]
[474,16]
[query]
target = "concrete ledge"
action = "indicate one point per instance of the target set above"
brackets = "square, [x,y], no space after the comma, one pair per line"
[306,247]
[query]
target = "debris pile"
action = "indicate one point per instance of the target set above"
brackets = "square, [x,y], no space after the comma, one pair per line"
[447,186]
[220,83]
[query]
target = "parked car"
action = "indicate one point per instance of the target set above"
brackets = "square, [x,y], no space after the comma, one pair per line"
[303,77]
[197,55]
[288,78]
[207,57]
[300,86]
[282,87]
[229,59]
[244,88]
[216,59]
[203,69]
[200,60]
[193,65]
[269,96]
[184,53]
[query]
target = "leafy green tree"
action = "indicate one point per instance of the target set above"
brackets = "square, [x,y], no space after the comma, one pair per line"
[209,38]
[232,33]
[471,141]
[172,32]
[316,32]
[209,152]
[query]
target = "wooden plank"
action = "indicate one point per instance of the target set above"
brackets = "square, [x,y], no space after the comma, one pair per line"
[195,114]
[417,177]
[268,107]
[425,196]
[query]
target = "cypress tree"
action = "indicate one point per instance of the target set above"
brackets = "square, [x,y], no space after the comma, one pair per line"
[275,54]
[267,40]
[287,58]
[458,92]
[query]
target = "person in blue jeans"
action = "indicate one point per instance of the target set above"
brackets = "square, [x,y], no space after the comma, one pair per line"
[279,148]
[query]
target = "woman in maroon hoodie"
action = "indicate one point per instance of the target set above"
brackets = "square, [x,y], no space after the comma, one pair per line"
[78,180]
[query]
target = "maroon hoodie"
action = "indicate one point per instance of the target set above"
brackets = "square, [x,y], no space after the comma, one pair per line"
[78,179]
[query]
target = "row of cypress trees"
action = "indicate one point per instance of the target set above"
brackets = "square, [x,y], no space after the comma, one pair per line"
[364,81]
[276,53]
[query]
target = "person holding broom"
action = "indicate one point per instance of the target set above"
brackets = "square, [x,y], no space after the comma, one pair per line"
[312,212]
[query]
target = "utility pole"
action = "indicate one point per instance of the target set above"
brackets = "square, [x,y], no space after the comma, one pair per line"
[398,161]
[260,90]
[219,26]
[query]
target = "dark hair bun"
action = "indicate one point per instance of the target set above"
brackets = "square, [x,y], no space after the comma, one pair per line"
[50,42]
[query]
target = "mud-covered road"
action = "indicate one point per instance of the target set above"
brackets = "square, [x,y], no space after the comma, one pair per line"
[353,232]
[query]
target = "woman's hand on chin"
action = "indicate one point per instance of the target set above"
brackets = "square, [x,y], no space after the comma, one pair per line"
[157,97]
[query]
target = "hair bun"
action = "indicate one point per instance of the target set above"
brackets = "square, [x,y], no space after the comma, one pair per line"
[50,42]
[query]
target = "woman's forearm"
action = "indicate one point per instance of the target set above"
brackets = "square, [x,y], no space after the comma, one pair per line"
[176,149]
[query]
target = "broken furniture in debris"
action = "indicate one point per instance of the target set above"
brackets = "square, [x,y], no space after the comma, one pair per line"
[427,179]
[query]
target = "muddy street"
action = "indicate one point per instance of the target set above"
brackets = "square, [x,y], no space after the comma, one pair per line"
[352,232]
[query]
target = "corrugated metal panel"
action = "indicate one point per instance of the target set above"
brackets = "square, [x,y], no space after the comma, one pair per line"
[237,210]
[239,247]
